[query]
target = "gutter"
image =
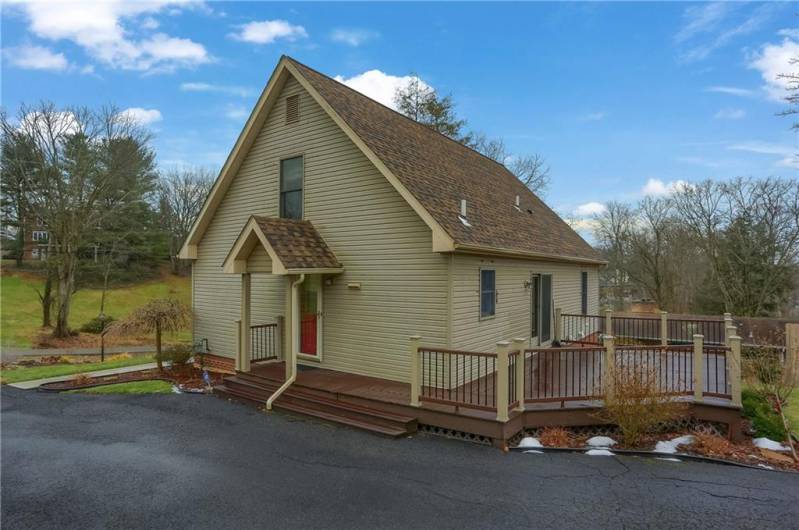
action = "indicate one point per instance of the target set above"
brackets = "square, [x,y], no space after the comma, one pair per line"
[488,251]
[295,341]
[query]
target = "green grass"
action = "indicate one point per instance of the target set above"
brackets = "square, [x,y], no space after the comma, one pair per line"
[792,410]
[21,313]
[136,387]
[54,370]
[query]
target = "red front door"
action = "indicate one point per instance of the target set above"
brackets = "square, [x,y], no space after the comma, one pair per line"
[309,316]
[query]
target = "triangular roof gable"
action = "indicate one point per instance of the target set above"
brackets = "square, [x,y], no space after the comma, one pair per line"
[293,246]
[441,241]
[430,171]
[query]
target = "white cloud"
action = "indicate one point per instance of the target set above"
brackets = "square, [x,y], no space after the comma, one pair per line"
[150,23]
[711,20]
[730,114]
[731,90]
[236,112]
[773,60]
[658,188]
[268,31]
[792,33]
[787,155]
[105,32]
[222,89]
[378,85]
[141,116]
[352,36]
[594,116]
[701,161]
[589,209]
[36,58]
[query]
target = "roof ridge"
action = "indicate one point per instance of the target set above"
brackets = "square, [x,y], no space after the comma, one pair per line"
[419,124]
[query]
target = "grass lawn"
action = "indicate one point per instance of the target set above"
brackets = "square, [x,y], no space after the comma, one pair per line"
[792,410]
[54,370]
[136,387]
[20,311]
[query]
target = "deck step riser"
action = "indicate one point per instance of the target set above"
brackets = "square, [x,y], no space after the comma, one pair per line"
[317,405]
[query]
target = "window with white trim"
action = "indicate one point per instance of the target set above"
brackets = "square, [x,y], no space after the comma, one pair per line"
[39,235]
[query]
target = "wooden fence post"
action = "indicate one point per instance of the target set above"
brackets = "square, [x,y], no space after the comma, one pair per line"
[558,326]
[518,345]
[416,383]
[664,328]
[699,343]
[735,370]
[792,349]
[503,347]
[609,322]
[609,369]
[237,337]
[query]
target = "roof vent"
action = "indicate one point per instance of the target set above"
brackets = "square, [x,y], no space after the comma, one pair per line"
[517,204]
[463,207]
[293,109]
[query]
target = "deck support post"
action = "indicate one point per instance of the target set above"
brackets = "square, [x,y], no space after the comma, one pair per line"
[237,337]
[503,367]
[735,370]
[664,328]
[416,383]
[609,322]
[558,326]
[244,333]
[518,345]
[609,371]
[727,325]
[698,380]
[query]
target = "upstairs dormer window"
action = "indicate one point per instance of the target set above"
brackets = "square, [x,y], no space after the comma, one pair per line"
[291,170]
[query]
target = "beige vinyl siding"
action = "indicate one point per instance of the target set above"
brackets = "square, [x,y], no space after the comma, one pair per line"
[381,242]
[512,319]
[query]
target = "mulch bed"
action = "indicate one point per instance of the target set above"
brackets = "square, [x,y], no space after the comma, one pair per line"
[185,377]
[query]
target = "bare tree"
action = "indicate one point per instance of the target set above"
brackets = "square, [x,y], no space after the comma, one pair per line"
[180,199]
[531,170]
[84,165]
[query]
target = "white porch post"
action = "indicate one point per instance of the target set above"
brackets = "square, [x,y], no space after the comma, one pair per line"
[237,336]
[244,332]
[664,328]
[503,348]
[735,371]
[518,345]
[416,383]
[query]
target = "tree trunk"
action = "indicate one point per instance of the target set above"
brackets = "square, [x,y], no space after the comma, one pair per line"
[158,347]
[47,300]
[66,288]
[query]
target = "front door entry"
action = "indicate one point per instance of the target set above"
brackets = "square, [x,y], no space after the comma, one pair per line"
[310,315]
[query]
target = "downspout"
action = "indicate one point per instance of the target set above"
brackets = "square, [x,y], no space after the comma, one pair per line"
[295,340]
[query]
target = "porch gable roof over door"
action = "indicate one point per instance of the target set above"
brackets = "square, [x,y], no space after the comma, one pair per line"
[294,247]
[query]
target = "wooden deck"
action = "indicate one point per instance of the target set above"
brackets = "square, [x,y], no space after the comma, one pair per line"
[392,397]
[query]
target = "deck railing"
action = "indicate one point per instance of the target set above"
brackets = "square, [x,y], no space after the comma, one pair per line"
[638,330]
[264,342]
[506,380]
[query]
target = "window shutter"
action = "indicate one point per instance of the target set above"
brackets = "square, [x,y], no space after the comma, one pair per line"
[293,109]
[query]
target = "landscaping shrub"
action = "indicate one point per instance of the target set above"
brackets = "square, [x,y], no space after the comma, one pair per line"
[179,354]
[634,402]
[712,445]
[97,324]
[555,437]
[765,420]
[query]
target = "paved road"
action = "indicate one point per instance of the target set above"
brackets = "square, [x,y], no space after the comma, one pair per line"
[177,461]
[10,354]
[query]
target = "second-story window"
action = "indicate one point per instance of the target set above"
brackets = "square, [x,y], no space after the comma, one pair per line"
[291,188]
[39,235]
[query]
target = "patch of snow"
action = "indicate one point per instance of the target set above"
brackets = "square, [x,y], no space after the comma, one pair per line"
[176,390]
[670,446]
[668,459]
[765,443]
[764,466]
[529,441]
[533,451]
[599,452]
[601,441]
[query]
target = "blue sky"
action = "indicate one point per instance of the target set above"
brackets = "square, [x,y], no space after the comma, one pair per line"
[622,99]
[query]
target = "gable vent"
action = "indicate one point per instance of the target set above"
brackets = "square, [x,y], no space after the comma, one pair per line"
[293,109]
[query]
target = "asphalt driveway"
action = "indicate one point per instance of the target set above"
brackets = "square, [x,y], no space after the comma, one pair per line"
[177,461]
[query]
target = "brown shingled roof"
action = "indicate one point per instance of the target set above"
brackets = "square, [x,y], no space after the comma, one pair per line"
[297,243]
[440,172]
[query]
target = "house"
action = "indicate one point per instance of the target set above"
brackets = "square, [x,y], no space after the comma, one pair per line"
[378,228]
[354,265]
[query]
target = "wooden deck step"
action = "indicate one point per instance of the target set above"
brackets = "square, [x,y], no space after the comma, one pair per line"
[319,404]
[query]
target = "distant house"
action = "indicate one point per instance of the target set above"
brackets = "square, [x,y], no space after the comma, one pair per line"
[356,227]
